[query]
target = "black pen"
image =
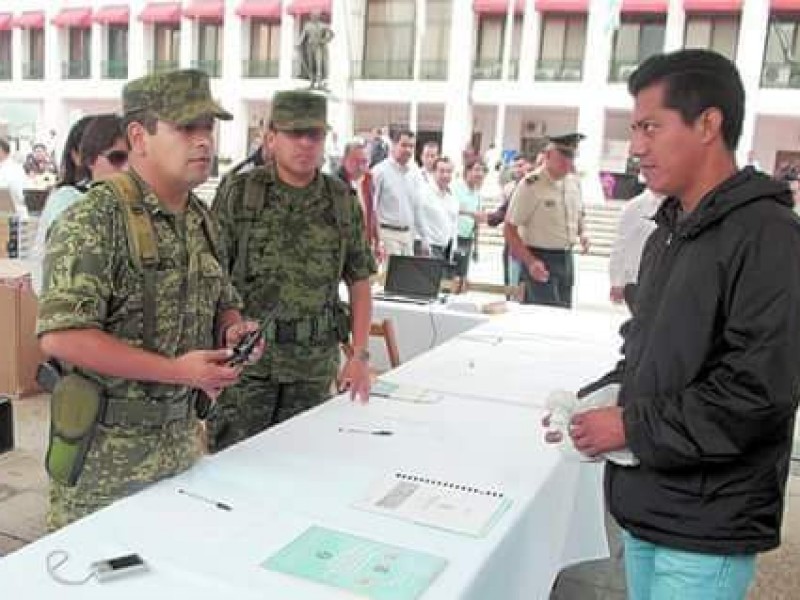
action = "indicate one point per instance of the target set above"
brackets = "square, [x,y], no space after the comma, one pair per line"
[220,505]
[367,431]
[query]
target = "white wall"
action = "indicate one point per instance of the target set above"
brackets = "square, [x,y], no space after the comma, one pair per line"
[773,134]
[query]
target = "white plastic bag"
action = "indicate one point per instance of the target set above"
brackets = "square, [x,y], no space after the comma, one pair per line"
[563,405]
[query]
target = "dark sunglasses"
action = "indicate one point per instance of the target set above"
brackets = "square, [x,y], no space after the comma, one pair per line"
[117,158]
[315,134]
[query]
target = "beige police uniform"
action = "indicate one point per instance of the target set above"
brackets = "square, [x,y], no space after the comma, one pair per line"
[547,214]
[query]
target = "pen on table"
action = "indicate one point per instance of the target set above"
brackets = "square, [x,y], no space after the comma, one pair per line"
[220,505]
[367,431]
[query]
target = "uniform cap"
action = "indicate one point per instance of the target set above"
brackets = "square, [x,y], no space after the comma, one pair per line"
[567,144]
[299,109]
[177,97]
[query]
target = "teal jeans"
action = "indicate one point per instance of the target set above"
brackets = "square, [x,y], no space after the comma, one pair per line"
[659,573]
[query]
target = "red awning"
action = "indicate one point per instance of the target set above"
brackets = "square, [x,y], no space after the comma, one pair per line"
[306,7]
[73,17]
[562,6]
[260,9]
[785,5]
[206,10]
[32,19]
[497,7]
[112,15]
[644,6]
[6,21]
[164,12]
[712,6]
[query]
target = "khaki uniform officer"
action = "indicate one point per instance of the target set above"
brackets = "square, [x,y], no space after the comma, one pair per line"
[544,220]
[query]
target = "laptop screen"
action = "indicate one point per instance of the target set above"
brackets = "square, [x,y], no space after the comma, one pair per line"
[414,276]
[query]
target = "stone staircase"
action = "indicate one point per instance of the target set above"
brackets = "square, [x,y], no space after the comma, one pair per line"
[601,227]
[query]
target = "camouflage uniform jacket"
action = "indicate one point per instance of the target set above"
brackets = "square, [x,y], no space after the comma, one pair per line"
[91,281]
[293,258]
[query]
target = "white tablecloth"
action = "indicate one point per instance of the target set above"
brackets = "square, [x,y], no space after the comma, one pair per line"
[306,472]
[419,328]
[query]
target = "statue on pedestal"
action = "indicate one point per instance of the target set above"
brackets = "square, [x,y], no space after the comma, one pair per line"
[313,50]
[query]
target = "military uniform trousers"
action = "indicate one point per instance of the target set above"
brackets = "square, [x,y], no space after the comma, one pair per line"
[259,401]
[557,290]
[121,461]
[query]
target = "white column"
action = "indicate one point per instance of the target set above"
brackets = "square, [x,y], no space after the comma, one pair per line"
[140,48]
[52,50]
[287,46]
[96,52]
[676,25]
[340,59]
[188,49]
[232,141]
[529,44]
[749,59]
[457,126]
[591,112]
[17,52]
[500,127]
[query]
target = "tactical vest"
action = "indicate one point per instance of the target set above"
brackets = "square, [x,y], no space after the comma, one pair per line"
[256,191]
[143,246]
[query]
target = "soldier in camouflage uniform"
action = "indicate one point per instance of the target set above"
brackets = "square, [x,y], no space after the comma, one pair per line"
[93,311]
[290,234]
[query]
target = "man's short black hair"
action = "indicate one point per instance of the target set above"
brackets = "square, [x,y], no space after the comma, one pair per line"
[395,133]
[5,146]
[694,81]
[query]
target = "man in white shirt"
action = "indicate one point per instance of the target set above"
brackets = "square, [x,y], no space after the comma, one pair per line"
[635,226]
[428,158]
[397,195]
[12,176]
[439,214]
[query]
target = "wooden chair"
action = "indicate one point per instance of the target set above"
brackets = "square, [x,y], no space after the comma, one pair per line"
[385,329]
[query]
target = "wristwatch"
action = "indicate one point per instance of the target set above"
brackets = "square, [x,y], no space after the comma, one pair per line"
[361,354]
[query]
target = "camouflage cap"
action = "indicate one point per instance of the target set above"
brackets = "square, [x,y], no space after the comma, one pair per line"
[176,96]
[299,109]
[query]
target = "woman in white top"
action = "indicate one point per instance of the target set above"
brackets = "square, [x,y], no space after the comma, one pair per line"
[95,149]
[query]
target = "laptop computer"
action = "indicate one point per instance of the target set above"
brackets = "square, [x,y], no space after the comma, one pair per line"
[412,279]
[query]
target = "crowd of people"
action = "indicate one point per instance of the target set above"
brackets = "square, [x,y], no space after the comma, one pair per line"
[145,290]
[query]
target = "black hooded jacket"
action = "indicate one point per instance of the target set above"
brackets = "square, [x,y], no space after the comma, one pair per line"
[710,372]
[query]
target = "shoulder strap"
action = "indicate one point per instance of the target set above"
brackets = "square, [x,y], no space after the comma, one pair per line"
[341,214]
[143,247]
[255,193]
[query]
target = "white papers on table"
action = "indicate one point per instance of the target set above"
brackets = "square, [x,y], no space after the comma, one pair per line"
[448,505]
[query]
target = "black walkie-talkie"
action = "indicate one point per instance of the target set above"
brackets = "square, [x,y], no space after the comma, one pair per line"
[248,343]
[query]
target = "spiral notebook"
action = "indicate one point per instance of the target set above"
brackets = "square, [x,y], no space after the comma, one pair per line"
[448,505]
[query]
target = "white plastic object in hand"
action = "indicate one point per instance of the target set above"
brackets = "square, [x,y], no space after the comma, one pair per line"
[563,405]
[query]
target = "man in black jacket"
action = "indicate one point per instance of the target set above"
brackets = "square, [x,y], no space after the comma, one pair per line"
[711,358]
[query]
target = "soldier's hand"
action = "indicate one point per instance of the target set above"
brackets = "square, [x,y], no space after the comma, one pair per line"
[206,370]
[237,331]
[538,270]
[355,377]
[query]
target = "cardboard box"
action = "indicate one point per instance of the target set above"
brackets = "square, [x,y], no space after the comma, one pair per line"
[20,353]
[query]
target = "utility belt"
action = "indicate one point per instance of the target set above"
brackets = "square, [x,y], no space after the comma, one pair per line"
[146,413]
[398,228]
[549,251]
[320,329]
